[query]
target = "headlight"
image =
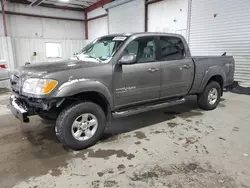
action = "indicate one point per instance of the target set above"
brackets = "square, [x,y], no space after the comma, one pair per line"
[39,86]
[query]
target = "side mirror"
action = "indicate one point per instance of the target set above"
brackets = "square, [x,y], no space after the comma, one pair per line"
[128,59]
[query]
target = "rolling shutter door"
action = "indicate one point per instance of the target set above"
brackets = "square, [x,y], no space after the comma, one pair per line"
[168,16]
[218,26]
[128,17]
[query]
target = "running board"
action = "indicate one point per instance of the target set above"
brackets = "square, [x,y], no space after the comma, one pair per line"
[146,108]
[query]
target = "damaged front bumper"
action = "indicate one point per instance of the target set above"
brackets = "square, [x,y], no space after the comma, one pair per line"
[22,107]
[19,109]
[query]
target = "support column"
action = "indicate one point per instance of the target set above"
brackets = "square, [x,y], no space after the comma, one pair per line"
[4,18]
[86,25]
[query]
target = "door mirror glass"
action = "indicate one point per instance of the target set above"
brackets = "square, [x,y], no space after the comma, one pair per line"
[128,59]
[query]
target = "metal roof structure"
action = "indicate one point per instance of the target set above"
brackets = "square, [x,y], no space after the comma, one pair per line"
[62,4]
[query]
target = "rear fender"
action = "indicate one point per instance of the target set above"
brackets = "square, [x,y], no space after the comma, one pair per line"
[212,71]
[77,86]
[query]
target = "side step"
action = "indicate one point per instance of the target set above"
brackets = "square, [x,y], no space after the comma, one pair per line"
[147,108]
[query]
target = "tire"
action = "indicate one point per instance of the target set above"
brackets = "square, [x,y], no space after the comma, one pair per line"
[47,116]
[65,120]
[203,98]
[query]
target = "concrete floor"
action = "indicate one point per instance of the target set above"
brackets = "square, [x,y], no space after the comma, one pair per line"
[179,147]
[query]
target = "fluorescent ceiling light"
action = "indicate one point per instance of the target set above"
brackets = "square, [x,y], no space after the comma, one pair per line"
[64,1]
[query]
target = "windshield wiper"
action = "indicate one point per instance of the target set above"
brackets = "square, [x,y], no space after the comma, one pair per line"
[76,57]
[96,58]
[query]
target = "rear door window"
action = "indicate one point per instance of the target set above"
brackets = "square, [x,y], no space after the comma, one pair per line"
[171,48]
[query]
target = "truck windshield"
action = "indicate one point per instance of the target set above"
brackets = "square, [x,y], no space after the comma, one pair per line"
[101,50]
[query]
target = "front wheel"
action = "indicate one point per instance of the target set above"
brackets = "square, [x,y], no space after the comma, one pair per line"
[80,125]
[210,97]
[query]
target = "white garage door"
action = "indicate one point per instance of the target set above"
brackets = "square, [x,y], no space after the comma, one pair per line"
[218,26]
[98,27]
[128,17]
[168,16]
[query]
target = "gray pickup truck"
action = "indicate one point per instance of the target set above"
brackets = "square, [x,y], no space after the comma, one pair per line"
[113,76]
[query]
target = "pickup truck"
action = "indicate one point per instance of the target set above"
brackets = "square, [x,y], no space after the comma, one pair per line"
[113,76]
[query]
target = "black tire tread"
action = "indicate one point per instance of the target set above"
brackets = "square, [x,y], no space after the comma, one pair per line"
[63,115]
[202,97]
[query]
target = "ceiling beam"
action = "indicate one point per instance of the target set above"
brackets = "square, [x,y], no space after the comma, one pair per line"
[97,5]
[25,2]
[36,3]
[42,16]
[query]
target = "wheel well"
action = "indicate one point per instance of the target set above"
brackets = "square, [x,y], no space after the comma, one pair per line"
[219,79]
[90,96]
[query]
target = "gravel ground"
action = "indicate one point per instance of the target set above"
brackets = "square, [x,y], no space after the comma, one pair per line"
[178,147]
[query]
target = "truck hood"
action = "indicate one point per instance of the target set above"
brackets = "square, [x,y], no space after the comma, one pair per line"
[40,69]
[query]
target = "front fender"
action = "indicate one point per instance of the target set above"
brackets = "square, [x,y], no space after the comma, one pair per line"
[77,86]
[212,71]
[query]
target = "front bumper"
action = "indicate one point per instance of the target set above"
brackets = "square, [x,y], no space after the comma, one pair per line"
[22,107]
[19,109]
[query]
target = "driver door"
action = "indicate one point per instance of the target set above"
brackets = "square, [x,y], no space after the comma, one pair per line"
[139,82]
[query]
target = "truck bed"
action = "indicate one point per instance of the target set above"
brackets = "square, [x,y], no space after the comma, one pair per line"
[206,66]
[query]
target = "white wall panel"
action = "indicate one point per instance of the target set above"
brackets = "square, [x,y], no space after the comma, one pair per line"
[6,51]
[29,34]
[2,48]
[98,27]
[96,12]
[168,16]
[26,26]
[24,47]
[128,17]
[1,26]
[23,26]
[74,30]
[53,28]
[218,26]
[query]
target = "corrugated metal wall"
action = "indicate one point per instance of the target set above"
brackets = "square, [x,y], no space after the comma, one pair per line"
[218,26]
[6,51]
[128,17]
[2,56]
[23,49]
[168,16]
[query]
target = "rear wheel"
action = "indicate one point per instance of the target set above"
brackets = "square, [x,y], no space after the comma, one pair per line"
[81,125]
[210,97]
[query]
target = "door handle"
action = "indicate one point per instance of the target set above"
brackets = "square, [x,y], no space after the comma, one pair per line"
[153,69]
[187,66]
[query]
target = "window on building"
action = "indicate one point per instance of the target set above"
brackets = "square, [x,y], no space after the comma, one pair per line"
[53,50]
[172,48]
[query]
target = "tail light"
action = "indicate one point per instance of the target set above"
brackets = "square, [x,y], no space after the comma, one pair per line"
[3,66]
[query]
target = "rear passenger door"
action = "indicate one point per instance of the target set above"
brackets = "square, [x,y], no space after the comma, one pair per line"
[177,69]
